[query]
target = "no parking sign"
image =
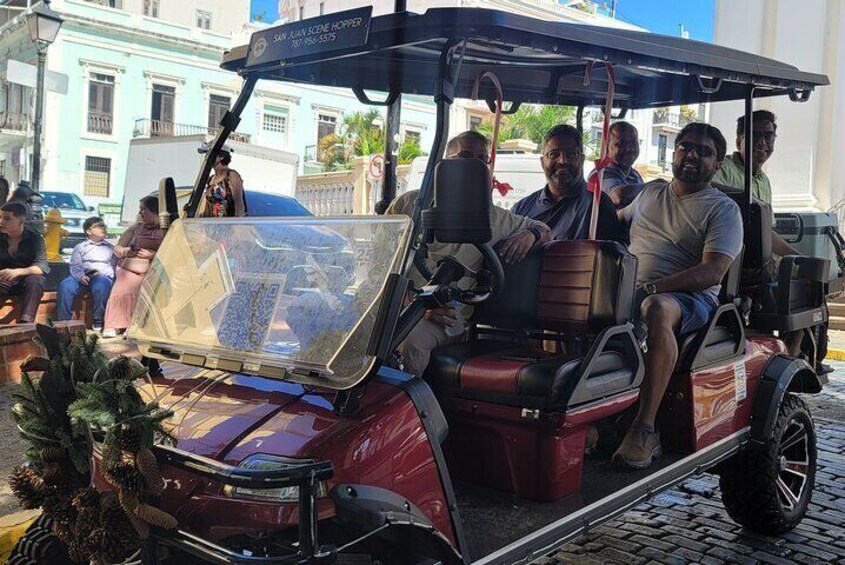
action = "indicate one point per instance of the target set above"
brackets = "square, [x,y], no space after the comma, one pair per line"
[375,170]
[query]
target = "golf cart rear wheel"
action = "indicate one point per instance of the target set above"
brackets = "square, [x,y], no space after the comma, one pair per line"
[768,489]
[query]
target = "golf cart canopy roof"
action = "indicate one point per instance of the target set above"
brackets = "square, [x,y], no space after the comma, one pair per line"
[536,61]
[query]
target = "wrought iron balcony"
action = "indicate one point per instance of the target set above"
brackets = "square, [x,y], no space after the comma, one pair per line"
[14,121]
[158,128]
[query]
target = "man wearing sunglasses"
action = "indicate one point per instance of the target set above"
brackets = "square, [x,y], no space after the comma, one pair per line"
[565,204]
[91,269]
[685,234]
[515,236]
[732,172]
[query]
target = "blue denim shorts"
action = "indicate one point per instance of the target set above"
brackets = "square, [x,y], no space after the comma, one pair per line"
[696,309]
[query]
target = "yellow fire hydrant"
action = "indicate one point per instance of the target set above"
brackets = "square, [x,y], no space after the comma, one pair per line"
[53,234]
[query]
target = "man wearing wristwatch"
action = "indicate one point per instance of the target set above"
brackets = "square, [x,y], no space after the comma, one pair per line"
[513,237]
[685,234]
[565,204]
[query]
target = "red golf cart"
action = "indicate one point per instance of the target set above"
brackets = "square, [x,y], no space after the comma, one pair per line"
[300,439]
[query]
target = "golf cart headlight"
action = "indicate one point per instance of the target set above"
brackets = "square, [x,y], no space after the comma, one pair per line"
[269,463]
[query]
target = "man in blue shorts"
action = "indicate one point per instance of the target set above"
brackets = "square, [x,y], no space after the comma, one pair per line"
[685,234]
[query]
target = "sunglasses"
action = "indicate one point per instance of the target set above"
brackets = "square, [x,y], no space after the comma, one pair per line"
[701,150]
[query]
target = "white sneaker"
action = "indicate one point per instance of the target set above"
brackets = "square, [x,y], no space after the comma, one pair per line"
[109,332]
[97,328]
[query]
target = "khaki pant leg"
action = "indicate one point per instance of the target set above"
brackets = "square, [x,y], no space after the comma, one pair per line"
[417,347]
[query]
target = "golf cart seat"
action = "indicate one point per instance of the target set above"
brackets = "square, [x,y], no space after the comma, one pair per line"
[506,399]
[571,288]
[797,299]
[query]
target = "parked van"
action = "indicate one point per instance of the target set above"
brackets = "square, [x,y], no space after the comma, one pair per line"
[263,169]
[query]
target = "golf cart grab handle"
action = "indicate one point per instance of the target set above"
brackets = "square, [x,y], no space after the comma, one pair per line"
[241,477]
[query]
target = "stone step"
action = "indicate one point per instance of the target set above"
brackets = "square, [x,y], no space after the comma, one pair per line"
[836,322]
[837,309]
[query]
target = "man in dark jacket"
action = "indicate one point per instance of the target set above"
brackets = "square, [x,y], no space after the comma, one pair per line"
[23,261]
[565,204]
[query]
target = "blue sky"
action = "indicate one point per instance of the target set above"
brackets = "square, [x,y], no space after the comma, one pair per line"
[660,16]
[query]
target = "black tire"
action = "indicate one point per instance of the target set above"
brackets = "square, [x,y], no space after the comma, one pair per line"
[38,546]
[768,489]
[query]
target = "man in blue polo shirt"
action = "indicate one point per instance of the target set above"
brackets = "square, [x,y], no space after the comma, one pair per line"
[621,181]
[565,204]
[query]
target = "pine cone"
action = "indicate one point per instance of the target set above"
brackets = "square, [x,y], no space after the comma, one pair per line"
[125,368]
[86,522]
[86,498]
[52,454]
[156,516]
[147,464]
[95,542]
[115,547]
[128,438]
[126,477]
[53,475]
[27,486]
[77,551]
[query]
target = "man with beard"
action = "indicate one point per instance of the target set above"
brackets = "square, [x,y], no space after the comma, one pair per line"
[620,180]
[685,234]
[732,173]
[515,236]
[565,204]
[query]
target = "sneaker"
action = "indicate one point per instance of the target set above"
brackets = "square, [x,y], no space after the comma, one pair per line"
[638,449]
[592,439]
[98,328]
[109,332]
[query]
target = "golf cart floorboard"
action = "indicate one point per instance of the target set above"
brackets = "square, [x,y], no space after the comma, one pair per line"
[493,519]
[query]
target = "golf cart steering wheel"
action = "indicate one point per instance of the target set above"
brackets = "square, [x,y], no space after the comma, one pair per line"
[489,281]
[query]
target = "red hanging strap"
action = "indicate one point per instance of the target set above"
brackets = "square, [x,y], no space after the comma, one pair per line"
[595,182]
[502,187]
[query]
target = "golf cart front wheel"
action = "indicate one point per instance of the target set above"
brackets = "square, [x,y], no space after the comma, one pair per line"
[768,489]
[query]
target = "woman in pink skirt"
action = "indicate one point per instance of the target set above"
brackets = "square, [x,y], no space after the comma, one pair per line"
[135,251]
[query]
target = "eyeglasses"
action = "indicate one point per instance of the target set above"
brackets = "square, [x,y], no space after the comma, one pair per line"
[767,136]
[555,154]
[701,150]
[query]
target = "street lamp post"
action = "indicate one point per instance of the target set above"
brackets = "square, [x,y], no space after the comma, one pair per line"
[44,25]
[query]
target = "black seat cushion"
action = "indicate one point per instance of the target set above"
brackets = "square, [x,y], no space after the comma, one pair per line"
[717,345]
[505,373]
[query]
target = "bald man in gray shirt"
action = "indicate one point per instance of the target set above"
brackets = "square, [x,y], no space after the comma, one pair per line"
[685,234]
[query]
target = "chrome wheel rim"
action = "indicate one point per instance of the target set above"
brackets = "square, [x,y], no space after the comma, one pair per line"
[793,464]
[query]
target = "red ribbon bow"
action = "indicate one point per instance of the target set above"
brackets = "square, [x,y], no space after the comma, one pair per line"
[593,181]
[502,187]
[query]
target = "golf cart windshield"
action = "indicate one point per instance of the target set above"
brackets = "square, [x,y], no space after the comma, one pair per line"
[296,298]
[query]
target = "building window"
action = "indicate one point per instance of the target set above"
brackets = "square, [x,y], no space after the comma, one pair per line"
[217,108]
[97,176]
[326,125]
[100,103]
[203,19]
[412,137]
[474,123]
[322,8]
[151,8]
[302,13]
[161,117]
[275,123]
[661,150]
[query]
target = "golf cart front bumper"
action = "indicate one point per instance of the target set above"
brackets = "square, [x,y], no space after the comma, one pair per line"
[305,477]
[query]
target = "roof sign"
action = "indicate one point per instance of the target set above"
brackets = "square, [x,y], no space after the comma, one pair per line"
[340,30]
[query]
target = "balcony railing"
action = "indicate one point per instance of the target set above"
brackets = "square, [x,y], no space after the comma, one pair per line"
[159,128]
[665,118]
[14,121]
[100,123]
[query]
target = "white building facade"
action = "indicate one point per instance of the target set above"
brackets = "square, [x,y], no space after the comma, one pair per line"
[807,169]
